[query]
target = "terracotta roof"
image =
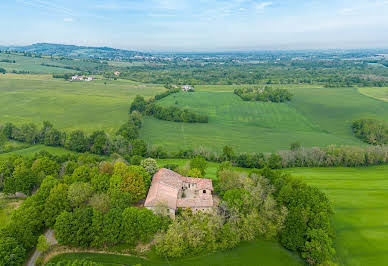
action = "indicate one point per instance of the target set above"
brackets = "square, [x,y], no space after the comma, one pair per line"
[168,177]
[160,193]
[202,183]
[195,202]
[165,188]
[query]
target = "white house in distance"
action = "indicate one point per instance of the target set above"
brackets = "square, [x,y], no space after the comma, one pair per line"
[84,78]
[187,88]
[174,191]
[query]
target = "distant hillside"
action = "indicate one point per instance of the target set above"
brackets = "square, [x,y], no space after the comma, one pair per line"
[75,51]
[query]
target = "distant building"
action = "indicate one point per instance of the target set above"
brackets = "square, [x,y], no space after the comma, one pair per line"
[117,73]
[171,190]
[85,78]
[187,88]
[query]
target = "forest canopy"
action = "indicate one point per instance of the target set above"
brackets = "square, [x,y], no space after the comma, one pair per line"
[265,94]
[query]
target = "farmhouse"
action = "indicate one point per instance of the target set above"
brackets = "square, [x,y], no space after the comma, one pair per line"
[85,78]
[187,88]
[174,191]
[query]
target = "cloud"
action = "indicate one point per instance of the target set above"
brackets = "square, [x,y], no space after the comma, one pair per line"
[263,5]
[68,19]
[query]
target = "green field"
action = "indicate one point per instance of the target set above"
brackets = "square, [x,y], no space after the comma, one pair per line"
[248,253]
[377,93]
[360,198]
[33,65]
[69,105]
[315,117]
[31,151]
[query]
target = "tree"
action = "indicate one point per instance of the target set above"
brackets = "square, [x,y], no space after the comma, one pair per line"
[56,202]
[75,228]
[2,70]
[224,166]
[11,252]
[150,165]
[100,182]
[45,166]
[42,245]
[79,193]
[194,172]
[295,146]
[139,147]
[228,153]
[199,163]
[100,202]
[98,143]
[132,179]
[138,104]
[76,141]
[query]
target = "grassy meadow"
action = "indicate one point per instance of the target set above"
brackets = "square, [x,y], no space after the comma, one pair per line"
[33,64]
[360,199]
[316,116]
[374,92]
[249,253]
[69,105]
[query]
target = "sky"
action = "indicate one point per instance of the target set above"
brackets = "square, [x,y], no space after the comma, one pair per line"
[197,25]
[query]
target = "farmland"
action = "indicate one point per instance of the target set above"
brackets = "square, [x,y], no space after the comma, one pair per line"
[315,117]
[69,105]
[248,253]
[359,196]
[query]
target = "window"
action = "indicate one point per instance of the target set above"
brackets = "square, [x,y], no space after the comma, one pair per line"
[204,191]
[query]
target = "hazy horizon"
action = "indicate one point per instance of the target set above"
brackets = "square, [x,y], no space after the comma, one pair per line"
[198,26]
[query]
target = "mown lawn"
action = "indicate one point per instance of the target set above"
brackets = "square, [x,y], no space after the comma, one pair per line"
[375,92]
[248,253]
[315,117]
[31,151]
[69,105]
[360,199]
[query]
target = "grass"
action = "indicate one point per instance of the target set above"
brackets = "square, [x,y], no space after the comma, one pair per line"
[6,207]
[360,199]
[248,253]
[33,64]
[69,105]
[30,151]
[315,117]
[375,92]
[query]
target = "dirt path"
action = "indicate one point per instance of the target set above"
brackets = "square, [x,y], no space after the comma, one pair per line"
[49,234]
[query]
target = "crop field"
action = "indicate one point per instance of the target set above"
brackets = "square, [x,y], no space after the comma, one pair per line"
[315,117]
[32,64]
[377,93]
[248,253]
[31,151]
[68,105]
[360,199]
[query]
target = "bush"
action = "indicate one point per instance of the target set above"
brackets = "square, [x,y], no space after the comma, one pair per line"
[150,165]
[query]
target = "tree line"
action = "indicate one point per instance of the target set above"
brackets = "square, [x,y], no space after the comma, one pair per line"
[371,131]
[263,205]
[265,94]
[87,201]
[124,142]
[171,113]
